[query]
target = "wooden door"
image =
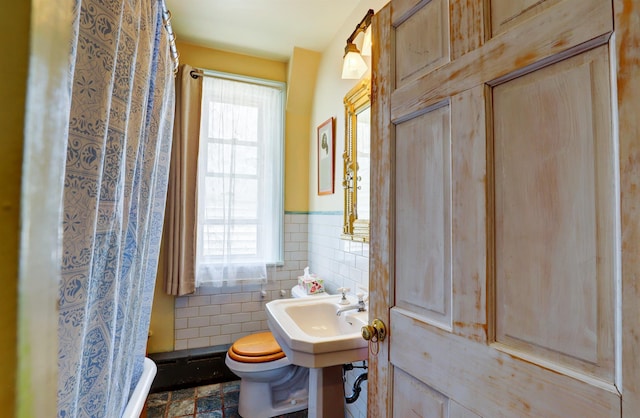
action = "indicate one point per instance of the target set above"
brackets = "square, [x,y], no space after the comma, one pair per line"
[505,209]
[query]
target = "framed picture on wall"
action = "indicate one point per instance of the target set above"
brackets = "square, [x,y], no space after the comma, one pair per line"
[326,157]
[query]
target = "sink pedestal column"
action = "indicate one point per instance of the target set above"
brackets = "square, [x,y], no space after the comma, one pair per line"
[326,392]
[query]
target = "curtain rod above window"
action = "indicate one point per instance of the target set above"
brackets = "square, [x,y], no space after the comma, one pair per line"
[199,72]
[166,19]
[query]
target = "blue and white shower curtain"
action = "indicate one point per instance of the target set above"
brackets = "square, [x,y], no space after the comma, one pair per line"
[114,196]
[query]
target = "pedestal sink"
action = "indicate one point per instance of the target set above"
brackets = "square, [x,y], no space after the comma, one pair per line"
[312,335]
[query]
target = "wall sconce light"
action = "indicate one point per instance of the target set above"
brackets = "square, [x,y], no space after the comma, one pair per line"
[354,66]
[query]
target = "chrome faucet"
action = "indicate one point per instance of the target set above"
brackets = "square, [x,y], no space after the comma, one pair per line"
[360,306]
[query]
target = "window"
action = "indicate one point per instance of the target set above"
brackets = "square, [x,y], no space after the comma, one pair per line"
[240,170]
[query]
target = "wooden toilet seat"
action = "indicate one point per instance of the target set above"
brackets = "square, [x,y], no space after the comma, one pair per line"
[256,348]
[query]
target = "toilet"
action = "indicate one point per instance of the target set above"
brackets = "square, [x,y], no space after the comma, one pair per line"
[269,384]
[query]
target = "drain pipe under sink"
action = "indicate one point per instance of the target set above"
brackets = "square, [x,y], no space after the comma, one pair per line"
[356,385]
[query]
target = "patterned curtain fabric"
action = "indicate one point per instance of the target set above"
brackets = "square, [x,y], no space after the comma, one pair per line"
[180,229]
[115,187]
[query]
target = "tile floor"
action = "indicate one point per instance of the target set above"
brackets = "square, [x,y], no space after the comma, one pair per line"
[219,400]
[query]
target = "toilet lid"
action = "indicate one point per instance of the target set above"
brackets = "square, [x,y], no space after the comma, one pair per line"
[256,348]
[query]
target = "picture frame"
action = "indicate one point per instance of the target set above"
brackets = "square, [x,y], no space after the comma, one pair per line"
[326,156]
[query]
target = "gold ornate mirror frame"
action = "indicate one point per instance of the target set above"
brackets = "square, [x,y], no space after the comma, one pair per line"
[357,101]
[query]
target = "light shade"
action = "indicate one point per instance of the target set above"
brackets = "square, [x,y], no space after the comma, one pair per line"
[366,43]
[353,66]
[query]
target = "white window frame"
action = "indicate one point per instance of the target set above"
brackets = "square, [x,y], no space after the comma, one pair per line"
[277,256]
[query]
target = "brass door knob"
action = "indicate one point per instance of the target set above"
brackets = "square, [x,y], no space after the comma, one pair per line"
[368,332]
[376,331]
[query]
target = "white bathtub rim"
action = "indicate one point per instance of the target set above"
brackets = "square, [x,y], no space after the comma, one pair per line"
[139,395]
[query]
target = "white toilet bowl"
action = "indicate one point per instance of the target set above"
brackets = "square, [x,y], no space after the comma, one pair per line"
[269,384]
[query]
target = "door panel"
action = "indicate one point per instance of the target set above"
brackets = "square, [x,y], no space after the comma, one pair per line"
[425,39]
[423,203]
[554,225]
[490,382]
[459,411]
[508,13]
[495,246]
[415,399]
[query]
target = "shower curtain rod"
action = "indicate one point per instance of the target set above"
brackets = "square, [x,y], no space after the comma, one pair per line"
[166,19]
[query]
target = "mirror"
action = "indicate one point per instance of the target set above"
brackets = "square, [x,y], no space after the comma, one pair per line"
[357,154]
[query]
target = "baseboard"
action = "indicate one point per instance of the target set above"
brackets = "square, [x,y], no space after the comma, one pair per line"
[189,368]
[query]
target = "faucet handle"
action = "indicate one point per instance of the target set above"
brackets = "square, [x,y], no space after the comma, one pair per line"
[344,300]
[361,305]
[363,293]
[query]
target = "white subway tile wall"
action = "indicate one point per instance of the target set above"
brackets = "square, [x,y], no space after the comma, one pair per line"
[218,316]
[342,263]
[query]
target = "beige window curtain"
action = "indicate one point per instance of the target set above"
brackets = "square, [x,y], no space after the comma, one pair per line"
[180,219]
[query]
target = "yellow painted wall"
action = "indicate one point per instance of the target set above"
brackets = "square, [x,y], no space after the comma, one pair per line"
[228,62]
[297,162]
[14,50]
[330,91]
[161,327]
[303,70]
[300,75]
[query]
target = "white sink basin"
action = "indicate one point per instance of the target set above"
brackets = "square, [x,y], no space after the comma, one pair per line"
[312,335]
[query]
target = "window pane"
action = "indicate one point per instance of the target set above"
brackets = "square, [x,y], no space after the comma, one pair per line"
[232,121]
[225,158]
[230,197]
[241,240]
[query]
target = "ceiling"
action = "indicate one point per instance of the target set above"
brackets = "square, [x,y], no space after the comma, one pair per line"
[263,28]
